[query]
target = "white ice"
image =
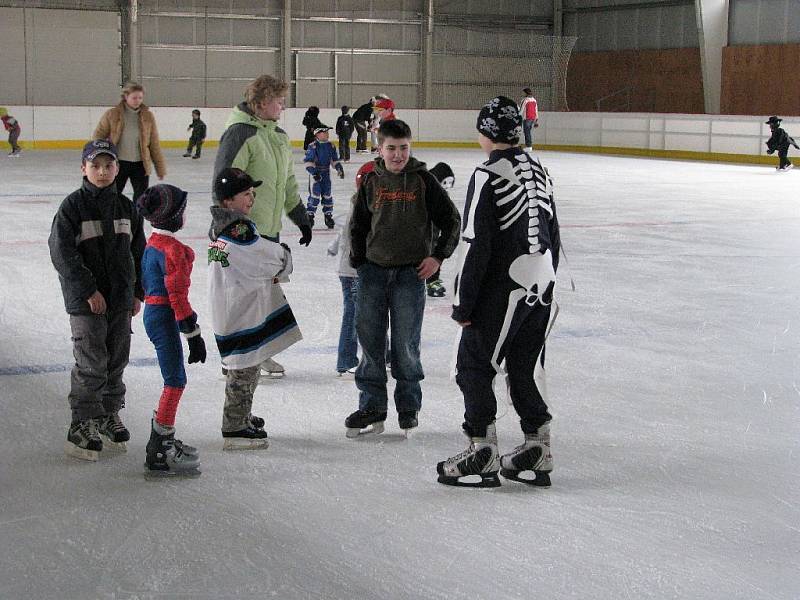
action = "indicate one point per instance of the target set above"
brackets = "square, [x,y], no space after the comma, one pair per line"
[674,384]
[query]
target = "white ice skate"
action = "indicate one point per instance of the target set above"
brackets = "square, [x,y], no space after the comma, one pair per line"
[272,370]
[477,466]
[408,421]
[531,462]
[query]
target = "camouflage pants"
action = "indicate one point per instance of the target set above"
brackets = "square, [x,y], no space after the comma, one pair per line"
[240,385]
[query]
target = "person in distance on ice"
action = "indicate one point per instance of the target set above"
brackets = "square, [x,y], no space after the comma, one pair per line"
[320,155]
[780,141]
[392,250]
[503,296]
[251,318]
[197,137]
[99,268]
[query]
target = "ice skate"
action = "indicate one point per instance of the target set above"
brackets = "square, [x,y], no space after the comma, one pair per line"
[15,154]
[249,438]
[168,457]
[195,157]
[187,154]
[436,289]
[329,222]
[363,422]
[83,440]
[257,422]
[348,375]
[408,421]
[477,465]
[115,434]
[530,462]
[272,370]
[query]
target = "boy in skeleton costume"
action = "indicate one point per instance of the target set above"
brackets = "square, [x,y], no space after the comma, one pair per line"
[502,302]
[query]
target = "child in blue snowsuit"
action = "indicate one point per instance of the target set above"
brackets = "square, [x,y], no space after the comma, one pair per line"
[320,155]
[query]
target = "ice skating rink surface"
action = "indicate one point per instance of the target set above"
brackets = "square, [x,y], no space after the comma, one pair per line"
[673,380]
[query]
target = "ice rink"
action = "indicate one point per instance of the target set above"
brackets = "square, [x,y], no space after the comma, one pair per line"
[673,379]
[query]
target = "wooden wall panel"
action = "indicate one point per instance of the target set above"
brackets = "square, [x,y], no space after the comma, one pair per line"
[761,80]
[636,81]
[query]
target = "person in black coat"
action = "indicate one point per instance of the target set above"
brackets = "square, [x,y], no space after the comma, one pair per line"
[780,141]
[362,118]
[311,122]
[344,129]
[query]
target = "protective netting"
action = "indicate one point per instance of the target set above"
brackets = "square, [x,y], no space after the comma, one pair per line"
[471,65]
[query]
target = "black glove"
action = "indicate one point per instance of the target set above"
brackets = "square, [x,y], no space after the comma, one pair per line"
[340,170]
[305,238]
[316,177]
[197,349]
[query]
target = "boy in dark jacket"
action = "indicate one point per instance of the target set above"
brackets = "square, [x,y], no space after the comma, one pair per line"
[96,245]
[344,129]
[311,122]
[503,295]
[392,249]
[780,141]
[197,137]
[362,119]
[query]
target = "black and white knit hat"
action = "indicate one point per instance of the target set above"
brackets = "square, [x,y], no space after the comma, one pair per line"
[500,121]
[163,206]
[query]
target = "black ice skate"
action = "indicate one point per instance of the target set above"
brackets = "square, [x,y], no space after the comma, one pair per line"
[436,289]
[477,465]
[114,433]
[362,422]
[530,462]
[329,222]
[83,440]
[168,457]
[249,438]
[407,419]
[187,154]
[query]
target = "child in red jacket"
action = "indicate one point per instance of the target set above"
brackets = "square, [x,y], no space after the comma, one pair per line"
[166,271]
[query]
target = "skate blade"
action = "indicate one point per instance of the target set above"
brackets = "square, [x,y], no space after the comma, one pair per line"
[354,432]
[272,374]
[539,479]
[173,474]
[112,446]
[484,480]
[245,444]
[74,451]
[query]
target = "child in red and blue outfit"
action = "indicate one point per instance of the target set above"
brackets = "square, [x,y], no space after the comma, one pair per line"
[321,154]
[166,272]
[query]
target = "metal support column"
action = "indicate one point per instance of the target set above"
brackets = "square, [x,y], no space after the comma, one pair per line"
[286,50]
[427,81]
[712,29]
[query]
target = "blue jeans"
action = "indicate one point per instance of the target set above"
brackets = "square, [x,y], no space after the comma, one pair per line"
[398,292]
[527,129]
[347,358]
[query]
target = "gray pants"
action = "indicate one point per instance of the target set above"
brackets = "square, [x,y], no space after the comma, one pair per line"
[240,385]
[101,345]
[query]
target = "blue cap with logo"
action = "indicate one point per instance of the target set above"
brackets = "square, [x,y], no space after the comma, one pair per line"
[96,147]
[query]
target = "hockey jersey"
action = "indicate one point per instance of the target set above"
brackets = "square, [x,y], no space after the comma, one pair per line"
[251,318]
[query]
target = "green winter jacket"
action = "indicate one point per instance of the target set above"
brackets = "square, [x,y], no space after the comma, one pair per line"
[262,150]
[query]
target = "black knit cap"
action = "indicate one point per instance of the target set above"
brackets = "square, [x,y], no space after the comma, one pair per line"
[163,206]
[444,174]
[500,121]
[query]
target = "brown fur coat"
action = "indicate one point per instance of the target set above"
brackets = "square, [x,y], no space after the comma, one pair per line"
[113,122]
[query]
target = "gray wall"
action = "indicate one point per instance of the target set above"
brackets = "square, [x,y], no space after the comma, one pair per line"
[59,57]
[756,22]
[602,25]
